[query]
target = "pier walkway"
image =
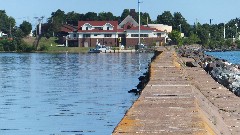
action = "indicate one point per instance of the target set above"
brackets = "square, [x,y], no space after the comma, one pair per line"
[181,100]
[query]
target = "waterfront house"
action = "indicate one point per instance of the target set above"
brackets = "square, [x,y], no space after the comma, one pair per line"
[110,33]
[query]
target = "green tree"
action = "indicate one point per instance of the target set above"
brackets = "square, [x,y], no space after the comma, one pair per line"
[145,18]
[238,44]
[125,13]
[90,16]
[165,18]
[176,38]
[192,39]
[26,28]
[56,20]
[203,33]
[72,18]
[180,23]
[6,22]
[106,16]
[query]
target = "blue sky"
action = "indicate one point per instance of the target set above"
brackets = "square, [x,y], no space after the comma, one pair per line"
[192,10]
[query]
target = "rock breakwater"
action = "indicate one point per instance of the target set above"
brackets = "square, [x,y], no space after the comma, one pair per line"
[221,70]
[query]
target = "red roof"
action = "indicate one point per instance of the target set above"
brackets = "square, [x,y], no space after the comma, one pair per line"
[98,23]
[143,28]
[68,28]
[128,26]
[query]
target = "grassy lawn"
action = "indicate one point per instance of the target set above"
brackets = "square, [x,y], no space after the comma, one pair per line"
[52,45]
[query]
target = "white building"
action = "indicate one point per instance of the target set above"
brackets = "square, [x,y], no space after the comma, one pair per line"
[2,34]
[110,33]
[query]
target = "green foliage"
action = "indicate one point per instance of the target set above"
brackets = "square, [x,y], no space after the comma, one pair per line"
[165,18]
[7,45]
[43,48]
[26,28]
[3,44]
[176,38]
[106,16]
[91,16]
[6,22]
[72,18]
[238,44]
[125,13]
[228,42]
[24,47]
[192,39]
[56,21]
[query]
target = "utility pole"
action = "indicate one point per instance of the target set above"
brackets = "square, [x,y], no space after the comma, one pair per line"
[196,24]
[210,22]
[139,23]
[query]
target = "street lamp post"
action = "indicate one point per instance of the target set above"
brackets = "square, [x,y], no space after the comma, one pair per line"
[180,27]
[210,22]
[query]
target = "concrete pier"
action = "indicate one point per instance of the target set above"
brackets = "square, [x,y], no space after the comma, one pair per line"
[181,100]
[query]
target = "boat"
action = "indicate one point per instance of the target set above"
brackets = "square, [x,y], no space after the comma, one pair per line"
[94,50]
[99,48]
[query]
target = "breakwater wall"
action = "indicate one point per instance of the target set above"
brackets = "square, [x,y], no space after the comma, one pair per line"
[144,79]
[180,99]
[222,71]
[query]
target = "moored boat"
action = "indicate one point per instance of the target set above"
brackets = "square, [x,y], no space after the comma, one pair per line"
[99,48]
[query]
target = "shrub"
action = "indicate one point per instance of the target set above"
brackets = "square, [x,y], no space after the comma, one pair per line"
[43,48]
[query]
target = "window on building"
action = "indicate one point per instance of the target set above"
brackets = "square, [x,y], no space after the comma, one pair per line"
[159,34]
[86,28]
[74,35]
[141,35]
[107,35]
[99,28]
[134,35]
[86,35]
[107,28]
[144,35]
[96,34]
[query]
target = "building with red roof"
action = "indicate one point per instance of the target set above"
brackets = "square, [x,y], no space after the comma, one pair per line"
[110,33]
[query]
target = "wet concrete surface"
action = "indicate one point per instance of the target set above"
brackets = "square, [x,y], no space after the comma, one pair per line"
[181,100]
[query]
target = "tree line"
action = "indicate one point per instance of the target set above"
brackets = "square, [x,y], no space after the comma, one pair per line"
[209,35]
[14,41]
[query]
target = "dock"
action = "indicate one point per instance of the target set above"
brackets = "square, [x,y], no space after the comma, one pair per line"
[181,100]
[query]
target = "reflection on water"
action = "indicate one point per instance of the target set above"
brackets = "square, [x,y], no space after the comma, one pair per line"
[62,94]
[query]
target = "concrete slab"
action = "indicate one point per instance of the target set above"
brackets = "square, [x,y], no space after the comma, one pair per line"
[181,100]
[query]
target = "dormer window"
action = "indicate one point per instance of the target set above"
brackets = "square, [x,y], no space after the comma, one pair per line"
[107,28]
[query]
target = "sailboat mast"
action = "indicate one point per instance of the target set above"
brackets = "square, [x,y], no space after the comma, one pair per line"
[139,23]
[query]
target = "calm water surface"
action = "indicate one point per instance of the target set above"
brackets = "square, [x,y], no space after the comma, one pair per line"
[231,56]
[66,94]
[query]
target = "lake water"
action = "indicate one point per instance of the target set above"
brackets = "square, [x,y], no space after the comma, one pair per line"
[67,94]
[230,56]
